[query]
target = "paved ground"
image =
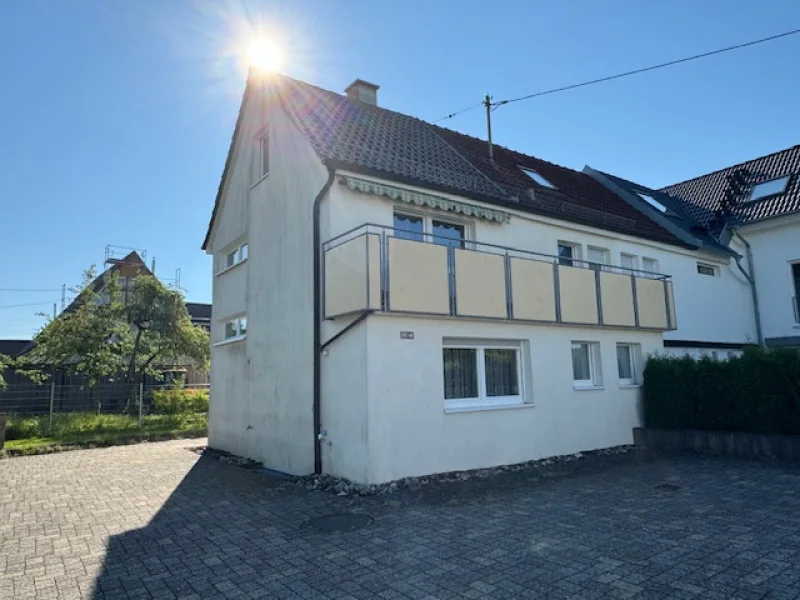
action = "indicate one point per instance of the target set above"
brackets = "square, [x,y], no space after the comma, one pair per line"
[157,521]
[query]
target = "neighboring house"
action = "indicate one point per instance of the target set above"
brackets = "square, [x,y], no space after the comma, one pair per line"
[389,300]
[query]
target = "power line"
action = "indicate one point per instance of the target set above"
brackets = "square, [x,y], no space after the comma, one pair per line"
[458,112]
[645,69]
[28,304]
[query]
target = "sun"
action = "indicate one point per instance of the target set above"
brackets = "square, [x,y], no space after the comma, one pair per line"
[264,54]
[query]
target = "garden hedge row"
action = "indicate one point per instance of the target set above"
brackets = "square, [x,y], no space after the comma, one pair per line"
[758,392]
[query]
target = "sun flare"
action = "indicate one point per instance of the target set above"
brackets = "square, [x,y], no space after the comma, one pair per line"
[264,54]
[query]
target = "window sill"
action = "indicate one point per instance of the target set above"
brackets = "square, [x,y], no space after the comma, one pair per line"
[487,407]
[626,386]
[588,388]
[260,179]
[232,267]
[232,340]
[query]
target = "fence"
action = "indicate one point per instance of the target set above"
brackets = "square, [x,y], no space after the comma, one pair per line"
[55,399]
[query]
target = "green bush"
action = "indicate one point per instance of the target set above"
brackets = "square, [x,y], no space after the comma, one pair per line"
[20,428]
[178,400]
[758,392]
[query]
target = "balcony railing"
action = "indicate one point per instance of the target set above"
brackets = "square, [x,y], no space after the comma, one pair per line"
[374,267]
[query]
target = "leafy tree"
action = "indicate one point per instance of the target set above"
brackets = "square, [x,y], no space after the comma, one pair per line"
[108,333]
[5,362]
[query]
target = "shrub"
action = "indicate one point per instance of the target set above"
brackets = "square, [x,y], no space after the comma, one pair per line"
[20,428]
[178,400]
[757,392]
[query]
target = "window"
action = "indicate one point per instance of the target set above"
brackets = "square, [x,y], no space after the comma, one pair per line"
[408,227]
[586,370]
[262,157]
[481,375]
[628,261]
[568,253]
[537,178]
[628,363]
[769,188]
[448,234]
[420,228]
[709,270]
[236,328]
[597,257]
[652,202]
[650,265]
[233,257]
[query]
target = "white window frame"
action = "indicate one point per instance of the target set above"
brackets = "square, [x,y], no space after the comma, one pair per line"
[753,198]
[483,401]
[635,355]
[428,219]
[576,253]
[595,381]
[606,256]
[239,323]
[634,261]
[713,268]
[654,261]
[239,251]
[260,170]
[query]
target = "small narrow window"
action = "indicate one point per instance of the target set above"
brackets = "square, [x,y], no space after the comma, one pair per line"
[586,370]
[650,265]
[230,258]
[769,188]
[796,299]
[652,202]
[628,261]
[263,147]
[537,178]
[627,363]
[243,252]
[568,253]
[709,270]
[597,257]
[236,328]
[230,329]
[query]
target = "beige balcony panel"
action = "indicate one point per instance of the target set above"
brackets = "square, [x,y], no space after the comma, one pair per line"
[616,293]
[346,277]
[374,243]
[480,284]
[578,295]
[672,316]
[652,304]
[418,277]
[533,291]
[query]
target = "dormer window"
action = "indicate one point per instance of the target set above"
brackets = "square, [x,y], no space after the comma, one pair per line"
[652,202]
[769,188]
[537,178]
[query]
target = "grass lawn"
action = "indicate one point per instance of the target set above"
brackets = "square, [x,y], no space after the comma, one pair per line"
[32,435]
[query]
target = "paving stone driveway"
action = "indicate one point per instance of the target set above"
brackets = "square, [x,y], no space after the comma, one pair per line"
[158,521]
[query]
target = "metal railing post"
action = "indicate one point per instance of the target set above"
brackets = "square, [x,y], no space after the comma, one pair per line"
[52,402]
[141,401]
[598,296]
[635,301]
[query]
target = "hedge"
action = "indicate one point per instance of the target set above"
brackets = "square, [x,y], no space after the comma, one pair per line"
[177,400]
[758,392]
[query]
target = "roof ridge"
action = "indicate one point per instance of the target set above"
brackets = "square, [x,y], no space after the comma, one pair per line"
[715,171]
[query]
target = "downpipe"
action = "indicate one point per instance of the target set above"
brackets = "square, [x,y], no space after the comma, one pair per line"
[317,250]
[751,279]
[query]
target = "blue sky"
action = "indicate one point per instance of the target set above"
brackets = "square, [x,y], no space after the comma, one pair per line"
[117,114]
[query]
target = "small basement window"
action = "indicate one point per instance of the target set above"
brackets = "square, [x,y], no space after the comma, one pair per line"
[769,188]
[652,202]
[537,178]
[709,270]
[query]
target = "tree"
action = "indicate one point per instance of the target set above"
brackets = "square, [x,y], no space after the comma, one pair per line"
[107,333]
[5,362]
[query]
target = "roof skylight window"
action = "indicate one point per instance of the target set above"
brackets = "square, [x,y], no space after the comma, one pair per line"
[537,178]
[769,188]
[652,202]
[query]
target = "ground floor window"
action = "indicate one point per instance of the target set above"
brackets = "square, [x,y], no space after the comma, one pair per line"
[481,374]
[586,371]
[628,359]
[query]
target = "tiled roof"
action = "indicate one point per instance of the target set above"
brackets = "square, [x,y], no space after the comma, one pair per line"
[13,347]
[375,140]
[703,195]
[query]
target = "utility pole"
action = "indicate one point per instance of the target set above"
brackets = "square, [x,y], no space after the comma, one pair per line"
[487,102]
[63,296]
[54,311]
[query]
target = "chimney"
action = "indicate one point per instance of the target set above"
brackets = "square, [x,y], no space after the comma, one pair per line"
[364,91]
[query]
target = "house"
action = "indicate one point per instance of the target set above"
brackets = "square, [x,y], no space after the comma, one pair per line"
[389,300]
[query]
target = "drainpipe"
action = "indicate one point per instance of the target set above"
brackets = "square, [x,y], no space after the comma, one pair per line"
[318,322]
[751,278]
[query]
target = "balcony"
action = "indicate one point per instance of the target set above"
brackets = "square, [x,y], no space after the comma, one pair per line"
[379,268]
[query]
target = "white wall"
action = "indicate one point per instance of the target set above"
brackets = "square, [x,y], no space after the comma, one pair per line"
[262,387]
[775,245]
[410,433]
[710,309]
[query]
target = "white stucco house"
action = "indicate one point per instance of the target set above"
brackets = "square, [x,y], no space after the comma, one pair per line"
[388,301]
